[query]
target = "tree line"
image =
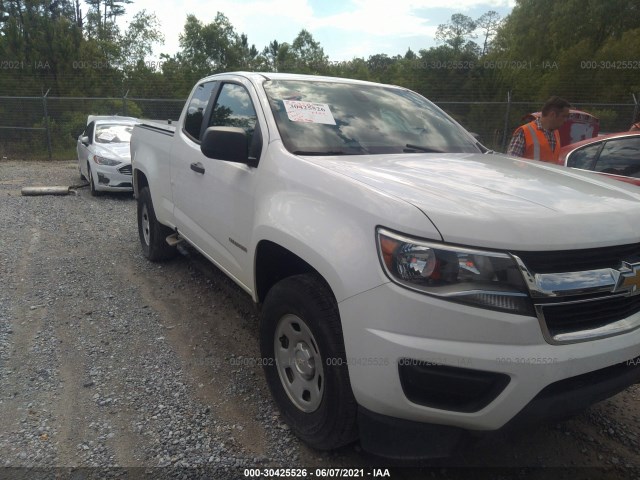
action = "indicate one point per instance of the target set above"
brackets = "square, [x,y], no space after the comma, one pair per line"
[575,48]
[584,50]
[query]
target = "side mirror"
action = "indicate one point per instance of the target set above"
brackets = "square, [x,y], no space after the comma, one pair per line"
[227,143]
[84,140]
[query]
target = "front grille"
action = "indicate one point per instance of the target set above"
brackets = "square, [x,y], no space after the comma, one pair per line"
[576,317]
[579,260]
[573,317]
[126,170]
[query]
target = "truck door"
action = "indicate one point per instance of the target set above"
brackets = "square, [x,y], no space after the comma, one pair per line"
[213,199]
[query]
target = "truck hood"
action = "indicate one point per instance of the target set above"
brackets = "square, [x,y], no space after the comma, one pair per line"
[497,201]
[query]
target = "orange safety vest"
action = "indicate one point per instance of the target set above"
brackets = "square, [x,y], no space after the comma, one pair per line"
[536,146]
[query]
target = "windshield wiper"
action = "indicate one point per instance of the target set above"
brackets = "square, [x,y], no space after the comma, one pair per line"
[320,153]
[421,149]
[484,149]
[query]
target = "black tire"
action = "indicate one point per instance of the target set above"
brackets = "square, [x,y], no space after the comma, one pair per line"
[92,185]
[151,232]
[323,415]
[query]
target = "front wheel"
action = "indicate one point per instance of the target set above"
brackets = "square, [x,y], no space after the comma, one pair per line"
[92,185]
[305,363]
[151,232]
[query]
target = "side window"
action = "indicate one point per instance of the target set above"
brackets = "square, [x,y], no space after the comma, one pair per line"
[620,157]
[234,108]
[584,157]
[195,111]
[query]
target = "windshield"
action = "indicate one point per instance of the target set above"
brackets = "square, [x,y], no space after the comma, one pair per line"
[330,118]
[113,133]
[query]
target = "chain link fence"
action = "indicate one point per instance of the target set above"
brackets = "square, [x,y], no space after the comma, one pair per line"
[33,128]
[47,127]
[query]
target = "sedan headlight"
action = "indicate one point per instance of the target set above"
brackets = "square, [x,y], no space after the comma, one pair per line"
[475,277]
[106,161]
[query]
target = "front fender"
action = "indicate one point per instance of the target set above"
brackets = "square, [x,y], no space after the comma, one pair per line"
[330,223]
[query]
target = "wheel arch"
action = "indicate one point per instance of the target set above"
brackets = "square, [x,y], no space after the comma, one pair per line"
[274,263]
[139,182]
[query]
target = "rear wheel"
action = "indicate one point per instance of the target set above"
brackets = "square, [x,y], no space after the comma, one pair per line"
[304,361]
[151,232]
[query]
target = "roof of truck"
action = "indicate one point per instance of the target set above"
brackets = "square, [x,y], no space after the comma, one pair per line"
[257,76]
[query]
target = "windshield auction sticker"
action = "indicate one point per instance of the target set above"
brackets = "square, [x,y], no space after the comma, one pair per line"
[106,136]
[308,112]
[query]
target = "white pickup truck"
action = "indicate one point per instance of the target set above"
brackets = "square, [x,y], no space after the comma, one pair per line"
[414,288]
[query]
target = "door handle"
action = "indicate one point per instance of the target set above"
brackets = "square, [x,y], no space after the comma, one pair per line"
[197,167]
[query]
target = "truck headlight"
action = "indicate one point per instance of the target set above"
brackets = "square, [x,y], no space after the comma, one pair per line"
[105,161]
[475,277]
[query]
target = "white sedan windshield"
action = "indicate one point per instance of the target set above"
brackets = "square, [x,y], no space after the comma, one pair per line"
[113,133]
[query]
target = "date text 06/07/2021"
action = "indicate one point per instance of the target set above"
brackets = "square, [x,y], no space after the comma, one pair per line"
[317,473]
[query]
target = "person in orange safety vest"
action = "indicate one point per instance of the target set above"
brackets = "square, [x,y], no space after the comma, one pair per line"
[540,139]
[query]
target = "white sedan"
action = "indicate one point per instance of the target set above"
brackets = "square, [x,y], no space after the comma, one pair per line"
[103,153]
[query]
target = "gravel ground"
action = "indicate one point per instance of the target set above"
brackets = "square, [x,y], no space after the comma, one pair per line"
[91,375]
[114,367]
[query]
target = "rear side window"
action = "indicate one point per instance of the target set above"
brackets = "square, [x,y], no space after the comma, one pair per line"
[195,112]
[584,157]
[620,157]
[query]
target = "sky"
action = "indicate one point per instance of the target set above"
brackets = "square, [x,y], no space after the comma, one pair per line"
[345,29]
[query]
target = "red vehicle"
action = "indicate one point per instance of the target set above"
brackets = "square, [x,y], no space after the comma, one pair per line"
[616,155]
[579,126]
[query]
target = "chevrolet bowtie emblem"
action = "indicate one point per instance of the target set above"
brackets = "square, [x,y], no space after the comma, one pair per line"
[629,279]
